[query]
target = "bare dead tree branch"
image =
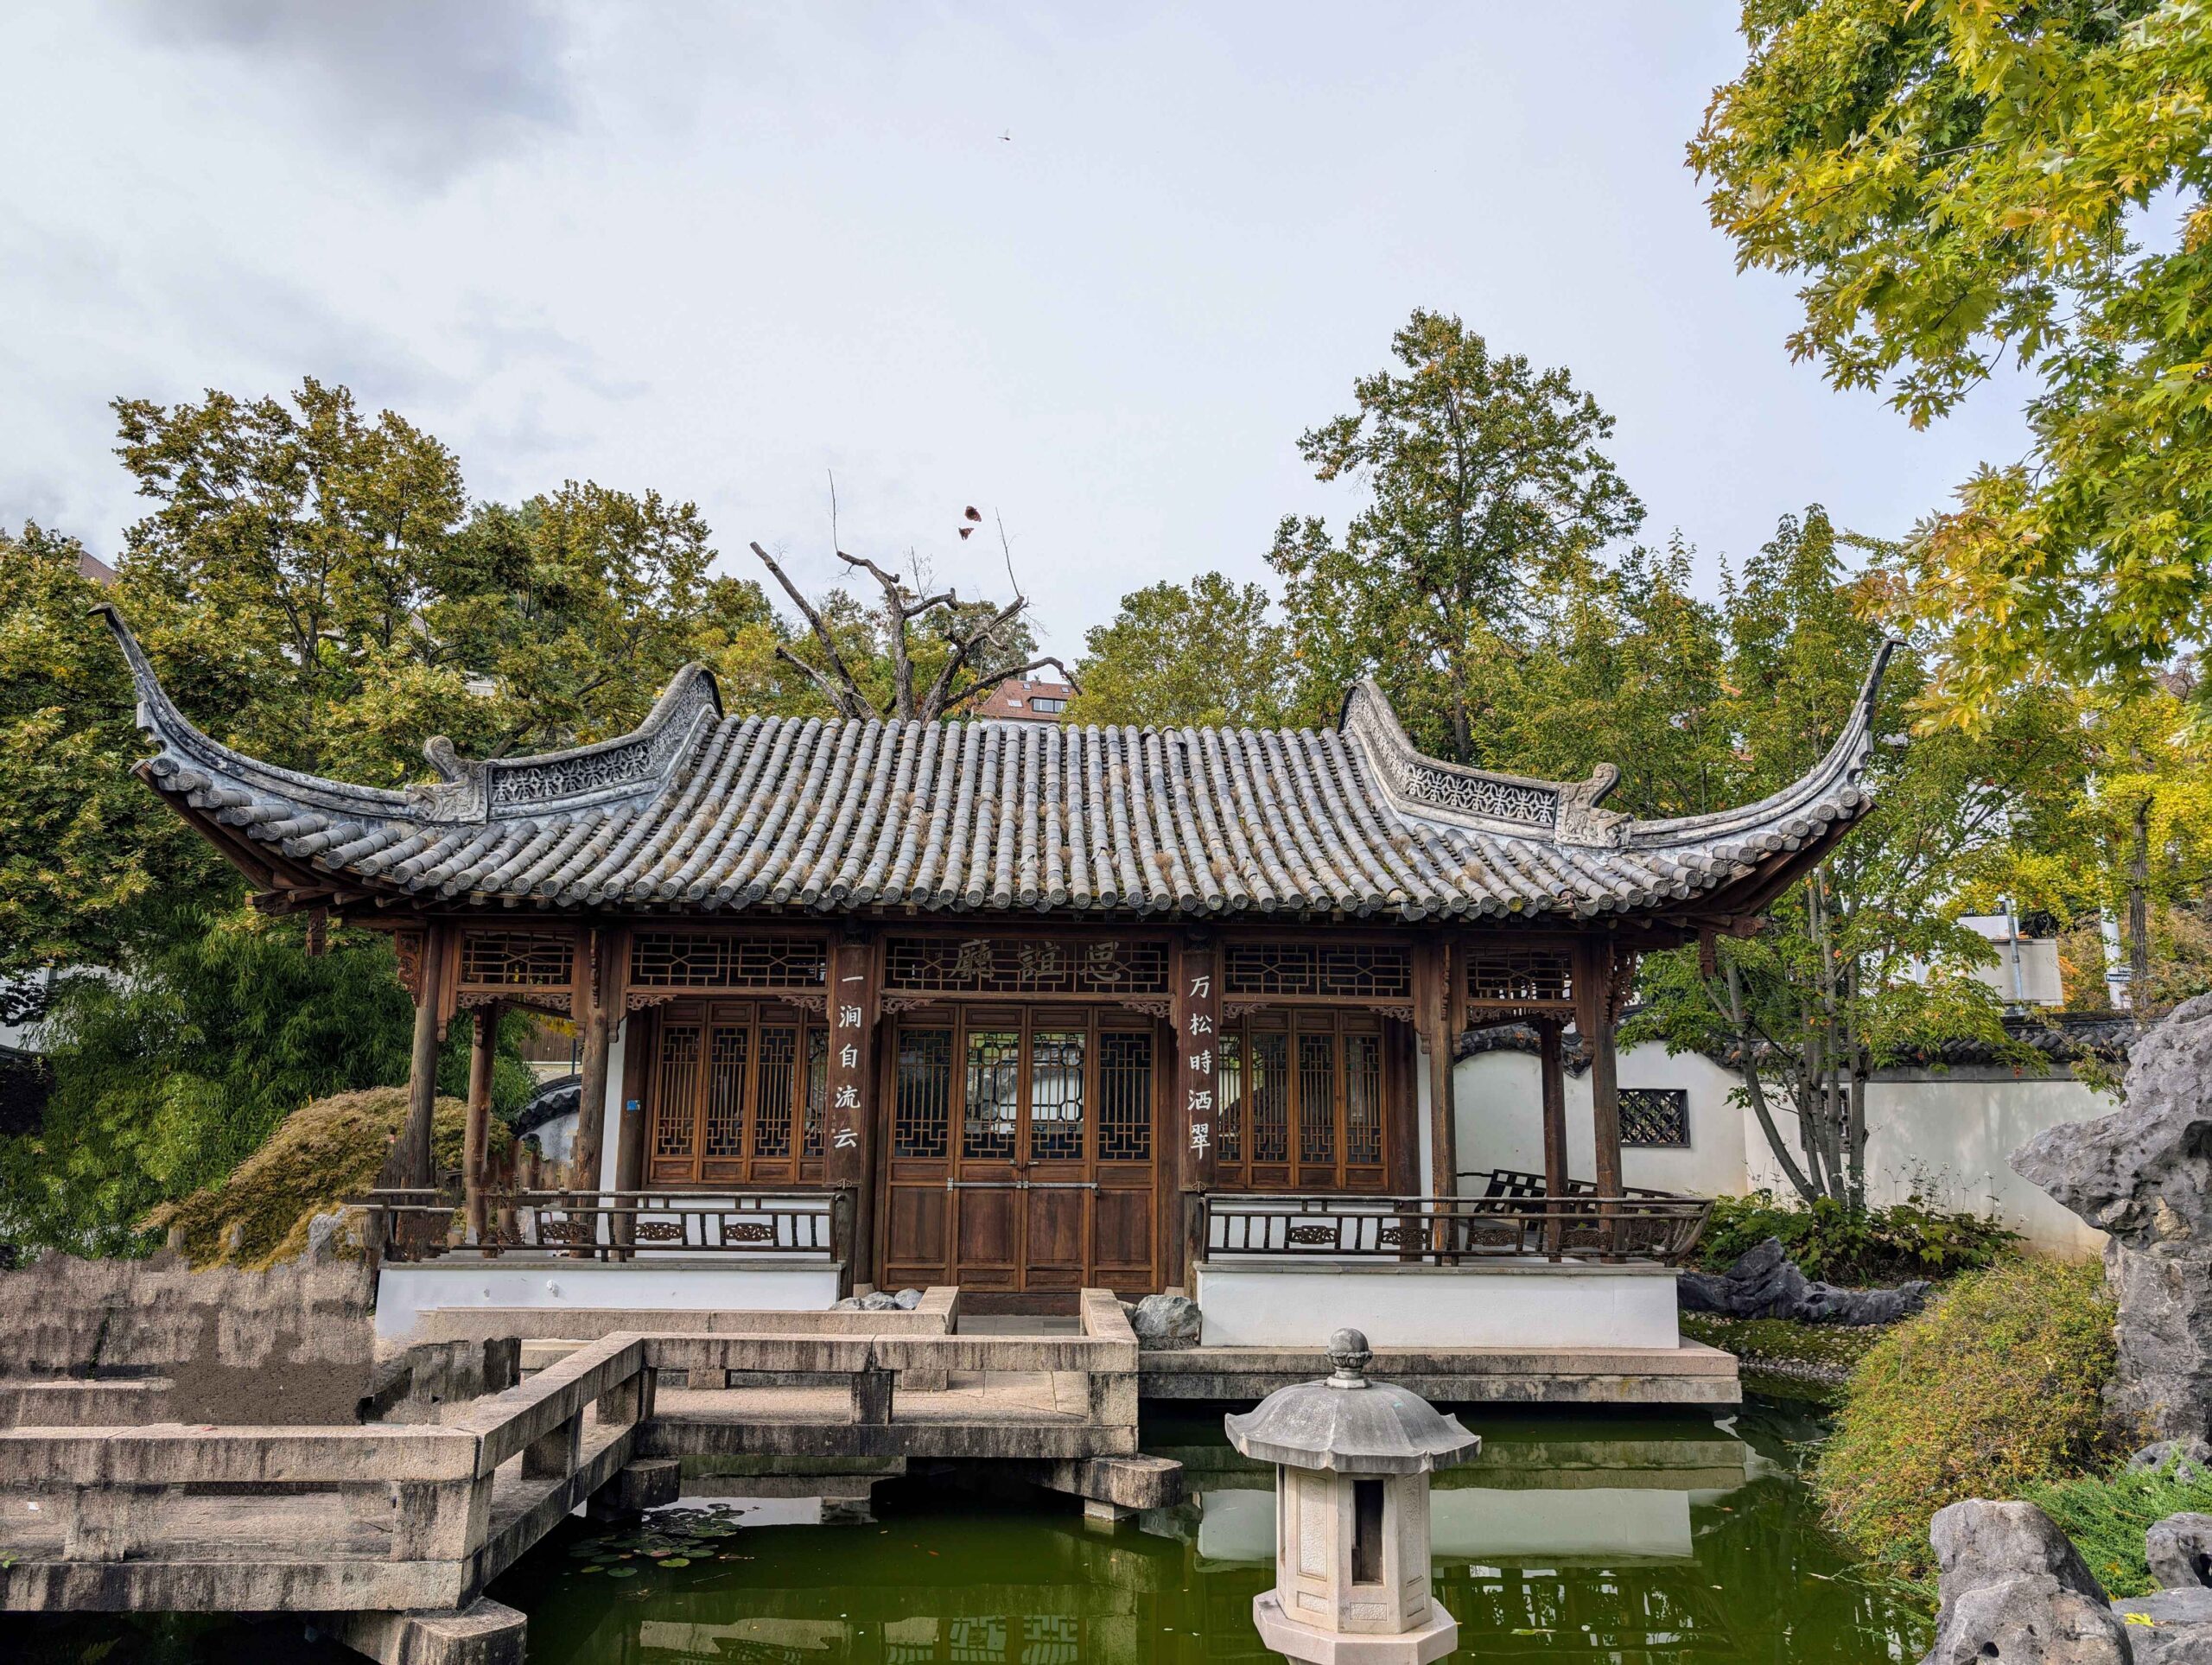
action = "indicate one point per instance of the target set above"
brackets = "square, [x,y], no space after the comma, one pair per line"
[844,692]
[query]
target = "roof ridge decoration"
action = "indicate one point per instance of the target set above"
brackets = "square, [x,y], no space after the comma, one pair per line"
[1840,767]
[635,764]
[1431,789]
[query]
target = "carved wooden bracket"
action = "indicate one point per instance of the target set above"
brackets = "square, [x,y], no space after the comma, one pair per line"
[637,999]
[892,1004]
[1158,1006]
[408,945]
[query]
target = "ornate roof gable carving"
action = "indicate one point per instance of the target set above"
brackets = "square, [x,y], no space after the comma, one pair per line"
[635,764]
[1431,789]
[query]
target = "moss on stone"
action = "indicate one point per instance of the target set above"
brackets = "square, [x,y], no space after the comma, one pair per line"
[321,1155]
[1822,1353]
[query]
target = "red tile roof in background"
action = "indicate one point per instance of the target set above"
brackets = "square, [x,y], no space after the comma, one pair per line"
[1016,701]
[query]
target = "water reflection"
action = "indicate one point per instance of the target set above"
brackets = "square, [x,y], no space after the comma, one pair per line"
[1636,1541]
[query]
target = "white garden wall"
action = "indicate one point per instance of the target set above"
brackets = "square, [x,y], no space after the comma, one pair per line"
[1945,1135]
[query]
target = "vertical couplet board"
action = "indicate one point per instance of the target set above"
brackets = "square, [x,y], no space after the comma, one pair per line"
[848,1110]
[1191,1122]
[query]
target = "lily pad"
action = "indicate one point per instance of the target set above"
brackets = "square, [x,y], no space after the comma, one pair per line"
[677,1560]
[621,1572]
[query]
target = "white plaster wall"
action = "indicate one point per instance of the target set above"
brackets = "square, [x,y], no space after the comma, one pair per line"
[1484,1523]
[1949,1139]
[1499,1103]
[405,1292]
[1525,1306]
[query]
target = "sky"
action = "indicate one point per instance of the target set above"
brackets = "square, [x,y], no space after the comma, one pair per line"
[1092,268]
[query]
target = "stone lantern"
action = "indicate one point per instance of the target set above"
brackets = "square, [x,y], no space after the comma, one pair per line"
[1352,1460]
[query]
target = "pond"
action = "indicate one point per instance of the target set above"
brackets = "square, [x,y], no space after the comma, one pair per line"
[1632,1538]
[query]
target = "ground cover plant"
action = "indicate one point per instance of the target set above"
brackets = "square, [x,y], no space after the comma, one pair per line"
[321,1155]
[1823,1354]
[1992,1390]
[2107,1515]
[1856,1248]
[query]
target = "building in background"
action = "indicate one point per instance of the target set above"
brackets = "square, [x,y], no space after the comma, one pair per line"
[1026,699]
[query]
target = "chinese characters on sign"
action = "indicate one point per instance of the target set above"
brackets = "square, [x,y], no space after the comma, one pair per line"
[848,1051]
[1196,1021]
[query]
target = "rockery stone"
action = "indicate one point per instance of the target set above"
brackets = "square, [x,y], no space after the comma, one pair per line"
[2143,1174]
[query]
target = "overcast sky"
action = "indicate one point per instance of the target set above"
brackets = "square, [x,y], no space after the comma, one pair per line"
[1093,268]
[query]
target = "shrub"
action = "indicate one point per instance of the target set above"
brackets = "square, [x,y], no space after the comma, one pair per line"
[2107,1514]
[1992,1390]
[319,1156]
[1874,1246]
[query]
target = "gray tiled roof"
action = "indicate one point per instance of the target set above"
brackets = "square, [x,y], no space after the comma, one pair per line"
[697,811]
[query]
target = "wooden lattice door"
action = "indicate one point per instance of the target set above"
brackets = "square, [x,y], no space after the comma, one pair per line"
[1022,1155]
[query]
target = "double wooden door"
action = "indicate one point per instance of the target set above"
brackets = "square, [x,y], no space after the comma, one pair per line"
[1022,1149]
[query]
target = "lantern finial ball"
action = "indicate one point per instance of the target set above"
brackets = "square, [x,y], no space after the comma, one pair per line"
[1350,1353]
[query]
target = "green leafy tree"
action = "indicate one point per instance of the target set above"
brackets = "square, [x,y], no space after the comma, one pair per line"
[84,847]
[1628,668]
[1961,184]
[1205,653]
[1485,477]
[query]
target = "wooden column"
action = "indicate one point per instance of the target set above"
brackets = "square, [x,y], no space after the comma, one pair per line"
[1552,1069]
[848,1110]
[640,1033]
[598,1000]
[483,1044]
[1594,1016]
[1433,1010]
[1191,1120]
[431,980]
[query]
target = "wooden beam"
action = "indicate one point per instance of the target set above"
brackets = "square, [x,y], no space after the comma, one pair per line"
[598,998]
[1432,965]
[1552,1072]
[483,1046]
[431,978]
[1597,1005]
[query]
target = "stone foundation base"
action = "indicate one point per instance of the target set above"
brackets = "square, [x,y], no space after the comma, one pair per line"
[1286,1636]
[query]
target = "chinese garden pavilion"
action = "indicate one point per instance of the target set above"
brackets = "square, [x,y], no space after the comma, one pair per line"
[1026,994]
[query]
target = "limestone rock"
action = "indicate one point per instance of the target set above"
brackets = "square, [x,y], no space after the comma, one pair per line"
[2143,1173]
[2179,1549]
[876,1300]
[2194,1453]
[1163,1323]
[2015,1589]
[2173,1627]
[1763,1284]
[907,1300]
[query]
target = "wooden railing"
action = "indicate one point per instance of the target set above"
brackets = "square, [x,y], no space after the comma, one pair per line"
[426,1222]
[1643,1225]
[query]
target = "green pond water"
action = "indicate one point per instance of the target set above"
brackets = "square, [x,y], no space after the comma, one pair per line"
[1633,1539]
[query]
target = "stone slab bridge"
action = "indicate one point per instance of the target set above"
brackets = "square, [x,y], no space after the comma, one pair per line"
[393,1532]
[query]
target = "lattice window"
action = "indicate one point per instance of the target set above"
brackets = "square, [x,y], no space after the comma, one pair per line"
[707,959]
[726,1060]
[772,1127]
[818,1090]
[1520,976]
[1320,970]
[1013,965]
[1317,1100]
[675,1090]
[1270,1097]
[1124,1098]
[921,1114]
[515,959]
[1364,1100]
[994,1094]
[1056,1095]
[1655,1117]
[1229,1098]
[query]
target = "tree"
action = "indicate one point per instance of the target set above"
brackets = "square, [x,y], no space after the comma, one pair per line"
[1203,654]
[84,847]
[1960,183]
[928,654]
[1863,962]
[1485,478]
